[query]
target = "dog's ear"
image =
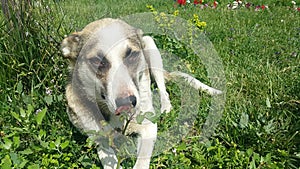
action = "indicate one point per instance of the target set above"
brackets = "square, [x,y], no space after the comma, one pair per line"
[140,33]
[70,46]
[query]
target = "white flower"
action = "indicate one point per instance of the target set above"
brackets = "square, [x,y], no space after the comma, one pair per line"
[188,1]
[48,91]
[293,2]
[235,5]
[37,111]
[186,124]
[240,2]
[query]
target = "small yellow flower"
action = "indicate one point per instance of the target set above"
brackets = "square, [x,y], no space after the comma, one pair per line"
[176,13]
[189,67]
[162,14]
[203,24]
[196,17]
[150,7]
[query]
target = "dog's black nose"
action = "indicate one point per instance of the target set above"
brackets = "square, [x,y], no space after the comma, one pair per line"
[132,100]
[124,104]
[125,101]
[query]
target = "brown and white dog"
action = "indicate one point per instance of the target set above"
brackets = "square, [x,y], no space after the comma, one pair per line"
[110,63]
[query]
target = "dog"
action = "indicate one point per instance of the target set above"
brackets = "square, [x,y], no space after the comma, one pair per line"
[110,67]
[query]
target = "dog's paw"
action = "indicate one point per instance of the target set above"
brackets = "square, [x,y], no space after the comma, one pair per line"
[108,167]
[165,102]
[141,166]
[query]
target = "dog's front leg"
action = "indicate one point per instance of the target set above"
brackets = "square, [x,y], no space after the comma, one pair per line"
[108,158]
[147,130]
[148,133]
[155,62]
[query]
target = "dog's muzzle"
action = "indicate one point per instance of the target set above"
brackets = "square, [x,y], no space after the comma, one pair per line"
[124,104]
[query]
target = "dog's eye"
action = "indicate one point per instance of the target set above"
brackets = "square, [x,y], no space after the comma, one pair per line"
[99,63]
[128,52]
[131,55]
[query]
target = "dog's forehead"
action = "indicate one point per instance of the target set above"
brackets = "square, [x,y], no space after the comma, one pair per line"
[111,35]
[115,35]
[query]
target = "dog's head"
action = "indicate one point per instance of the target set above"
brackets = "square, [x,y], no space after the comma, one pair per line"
[107,62]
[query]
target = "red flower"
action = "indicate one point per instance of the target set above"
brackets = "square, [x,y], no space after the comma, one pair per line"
[263,7]
[248,5]
[298,9]
[215,4]
[181,2]
[197,2]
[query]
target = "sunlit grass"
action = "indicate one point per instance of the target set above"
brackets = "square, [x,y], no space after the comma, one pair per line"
[260,54]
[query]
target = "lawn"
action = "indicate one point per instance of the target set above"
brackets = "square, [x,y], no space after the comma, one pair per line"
[259,54]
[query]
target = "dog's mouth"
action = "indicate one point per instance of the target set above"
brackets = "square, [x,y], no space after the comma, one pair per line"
[125,104]
[123,109]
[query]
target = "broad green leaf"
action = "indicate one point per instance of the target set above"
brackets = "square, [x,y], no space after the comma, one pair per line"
[26,151]
[283,152]
[23,163]
[37,148]
[40,116]
[252,164]
[57,155]
[151,116]
[7,143]
[19,87]
[44,144]
[211,148]
[16,116]
[140,118]
[22,113]
[52,145]
[256,157]
[181,146]
[16,140]
[42,134]
[268,158]
[57,142]
[27,99]
[64,144]
[48,99]
[15,158]
[59,97]
[30,109]
[34,166]
[6,162]
[249,151]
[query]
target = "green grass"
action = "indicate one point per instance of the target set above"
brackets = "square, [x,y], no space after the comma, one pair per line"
[260,52]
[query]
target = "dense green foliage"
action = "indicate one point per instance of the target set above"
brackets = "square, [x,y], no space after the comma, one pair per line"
[260,53]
